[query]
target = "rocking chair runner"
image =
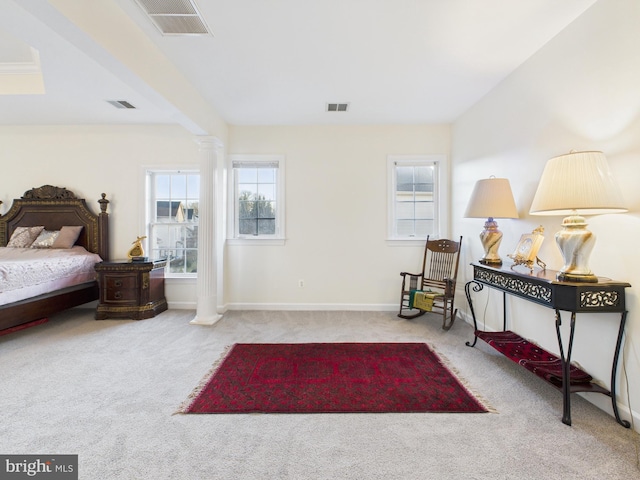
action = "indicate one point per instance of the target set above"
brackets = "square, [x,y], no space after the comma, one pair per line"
[439,274]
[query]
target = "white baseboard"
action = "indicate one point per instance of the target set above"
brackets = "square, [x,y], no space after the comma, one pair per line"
[182,305]
[354,307]
[604,403]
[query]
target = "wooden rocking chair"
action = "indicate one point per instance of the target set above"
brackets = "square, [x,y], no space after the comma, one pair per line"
[439,274]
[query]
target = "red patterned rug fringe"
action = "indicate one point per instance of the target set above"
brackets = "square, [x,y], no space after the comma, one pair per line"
[331,378]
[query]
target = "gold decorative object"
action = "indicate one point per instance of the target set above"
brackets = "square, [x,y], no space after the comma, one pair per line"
[137,250]
[526,252]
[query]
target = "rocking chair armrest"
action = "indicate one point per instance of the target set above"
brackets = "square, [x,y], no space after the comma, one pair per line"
[404,274]
[450,287]
[413,280]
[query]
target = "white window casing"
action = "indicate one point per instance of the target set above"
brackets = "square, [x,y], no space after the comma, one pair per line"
[417,195]
[256,200]
[171,218]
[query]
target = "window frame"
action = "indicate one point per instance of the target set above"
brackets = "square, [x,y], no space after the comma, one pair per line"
[440,194]
[149,201]
[234,238]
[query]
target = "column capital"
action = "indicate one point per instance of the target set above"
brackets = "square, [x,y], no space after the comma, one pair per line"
[207,141]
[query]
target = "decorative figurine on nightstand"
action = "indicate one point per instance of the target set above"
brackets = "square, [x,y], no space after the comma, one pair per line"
[136,253]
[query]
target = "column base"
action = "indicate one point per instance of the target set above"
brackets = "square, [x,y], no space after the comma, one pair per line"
[205,319]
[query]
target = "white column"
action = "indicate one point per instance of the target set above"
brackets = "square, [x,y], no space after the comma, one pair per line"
[207,311]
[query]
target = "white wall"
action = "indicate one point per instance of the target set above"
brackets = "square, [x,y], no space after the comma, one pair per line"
[336,195]
[581,91]
[336,218]
[90,160]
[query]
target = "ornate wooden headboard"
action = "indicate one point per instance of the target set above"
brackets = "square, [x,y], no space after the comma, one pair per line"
[55,207]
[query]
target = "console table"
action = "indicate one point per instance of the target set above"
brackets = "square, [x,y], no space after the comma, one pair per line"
[541,287]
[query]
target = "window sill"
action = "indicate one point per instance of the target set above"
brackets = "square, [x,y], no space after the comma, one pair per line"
[169,279]
[256,241]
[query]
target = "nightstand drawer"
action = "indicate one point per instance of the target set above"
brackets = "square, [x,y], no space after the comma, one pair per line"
[120,282]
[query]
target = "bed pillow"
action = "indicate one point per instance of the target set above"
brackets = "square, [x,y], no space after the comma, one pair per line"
[67,237]
[45,239]
[23,237]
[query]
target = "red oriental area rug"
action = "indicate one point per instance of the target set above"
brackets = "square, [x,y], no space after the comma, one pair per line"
[331,378]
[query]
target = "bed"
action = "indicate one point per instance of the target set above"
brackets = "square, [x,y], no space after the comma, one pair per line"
[52,208]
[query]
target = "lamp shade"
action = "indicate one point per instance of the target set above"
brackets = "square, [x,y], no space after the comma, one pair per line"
[492,198]
[578,182]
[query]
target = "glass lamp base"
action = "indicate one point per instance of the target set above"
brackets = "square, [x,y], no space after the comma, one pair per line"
[575,243]
[491,238]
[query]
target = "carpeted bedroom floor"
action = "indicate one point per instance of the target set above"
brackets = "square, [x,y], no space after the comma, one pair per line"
[108,391]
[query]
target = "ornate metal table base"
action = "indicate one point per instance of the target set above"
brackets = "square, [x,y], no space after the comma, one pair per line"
[605,296]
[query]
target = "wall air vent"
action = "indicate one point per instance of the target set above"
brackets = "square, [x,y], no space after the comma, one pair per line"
[175,17]
[337,107]
[120,104]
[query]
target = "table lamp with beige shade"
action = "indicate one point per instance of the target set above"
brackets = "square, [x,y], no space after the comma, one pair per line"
[576,184]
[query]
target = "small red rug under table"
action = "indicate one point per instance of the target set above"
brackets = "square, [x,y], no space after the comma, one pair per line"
[331,378]
[17,328]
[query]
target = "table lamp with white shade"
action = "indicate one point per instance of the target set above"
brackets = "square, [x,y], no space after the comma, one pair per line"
[491,198]
[576,184]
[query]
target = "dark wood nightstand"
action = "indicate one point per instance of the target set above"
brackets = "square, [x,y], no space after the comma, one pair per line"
[131,289]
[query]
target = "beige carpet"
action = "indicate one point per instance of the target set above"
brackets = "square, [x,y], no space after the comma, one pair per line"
[106,390]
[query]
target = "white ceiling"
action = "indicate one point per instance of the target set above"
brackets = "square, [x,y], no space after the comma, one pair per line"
[279,62]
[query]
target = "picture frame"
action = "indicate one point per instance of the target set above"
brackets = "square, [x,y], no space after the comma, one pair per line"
[526,252]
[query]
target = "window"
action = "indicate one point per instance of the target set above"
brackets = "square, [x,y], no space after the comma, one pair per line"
[415,200]
[258,197]
[172,218]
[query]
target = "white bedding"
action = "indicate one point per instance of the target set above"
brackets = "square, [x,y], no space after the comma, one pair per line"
[27,272]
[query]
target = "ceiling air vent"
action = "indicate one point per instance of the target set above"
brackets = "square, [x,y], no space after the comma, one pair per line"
[120,104]
[337,107]
[175,17]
